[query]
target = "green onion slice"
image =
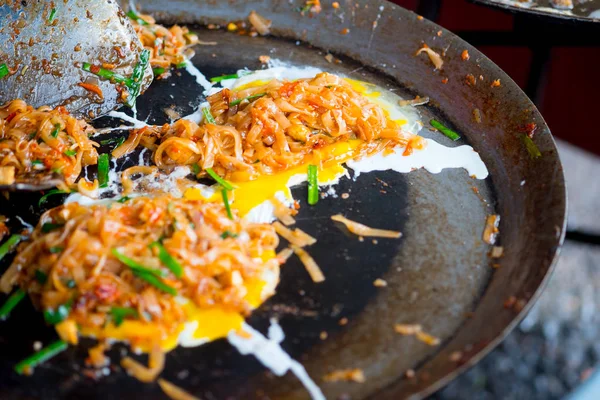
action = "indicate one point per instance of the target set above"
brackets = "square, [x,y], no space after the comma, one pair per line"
[9,245]
[156,282]
[103,167]
[41,356]
[55,249]
[531,147]
[228,234]
[55,131]
[11,303]
[50,193]
[168,260]
[123,199]
[313,185]
[448,132]
[218,79]
[120,313]
[137,75]
[134,16]
[136,266]
[208,116]
[226,202]
[52,15]
[158,71]
[249,98]
[220,181]
[181,65]
[49,227]
[61,313]
[108,74]
[70,153]
[4,71]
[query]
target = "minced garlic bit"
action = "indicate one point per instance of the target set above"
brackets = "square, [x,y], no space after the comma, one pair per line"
[417,331]
[329,57]
[348,375]
[434,57]
[379,283]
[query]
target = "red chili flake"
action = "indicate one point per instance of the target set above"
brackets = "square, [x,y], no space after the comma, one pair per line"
[10,117]
[445,80]
[529,129]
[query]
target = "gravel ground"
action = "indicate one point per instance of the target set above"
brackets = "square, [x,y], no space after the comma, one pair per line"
[556,347]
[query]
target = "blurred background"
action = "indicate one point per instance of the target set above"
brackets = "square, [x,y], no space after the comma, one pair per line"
[555,59]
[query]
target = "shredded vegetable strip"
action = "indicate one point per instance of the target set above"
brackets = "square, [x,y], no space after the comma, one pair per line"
[363,230]
[175,392]
[310,264]
[9,245]
[217,79]
[168,260]
[220,181]
[207,116]
[448,132]
[103,169]
[11,303]
[313,185]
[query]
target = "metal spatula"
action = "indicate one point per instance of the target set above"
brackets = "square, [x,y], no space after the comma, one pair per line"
[45,44]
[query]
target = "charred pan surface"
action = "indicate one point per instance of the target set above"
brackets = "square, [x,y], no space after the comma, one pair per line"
[44,45]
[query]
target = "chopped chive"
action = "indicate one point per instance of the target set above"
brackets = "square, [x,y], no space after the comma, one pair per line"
[249,98]
[55,249]
[136,77]
[226,202]
[532,149]
[11,303]
[50,193]
[118,314]
[228,234]
[448,132]
[61,313]
[136,266]
[313,185]
[220,181]
[55,131]
[195,169]
[108,74]
[134,16]
[181,65]
[218,79]
[123,199]
[70,153]
[49,227]
[9,245]
[4,71]
[41,356]
[41,276]
[103,167]
[168,260]
[158,71]
[208,116]
[52,15]
[156,282]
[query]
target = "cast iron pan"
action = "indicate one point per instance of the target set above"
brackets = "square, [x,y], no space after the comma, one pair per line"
[439,274]
[580,13]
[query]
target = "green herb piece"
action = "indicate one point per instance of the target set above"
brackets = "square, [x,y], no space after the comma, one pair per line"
[41,356]
[11,303]
[220,181]
[70,153]
[195,169]
[108,74]
[218,79]
[117,140]
[249,98]
[50,193]
[9,245]
[57,170]
[226,202]
[55,249]
[52,15]
[531,147]
[228,234]
[55,131]
[37,162]
[134,16]
[313,185]
[103,167]
[136,77]
[71,283]
[158,71]
[61,313]
[448,132]
[41,276]
[168,260]
[118,314]
[136,266]
[123,199]
[4,71]
[49,227]
[181,65]
[208,116]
